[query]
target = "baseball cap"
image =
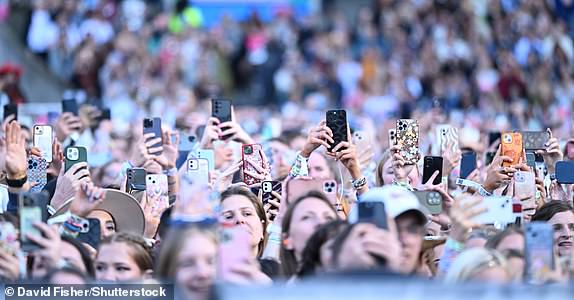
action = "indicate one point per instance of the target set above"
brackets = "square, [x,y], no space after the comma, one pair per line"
[397,200]
[124,209]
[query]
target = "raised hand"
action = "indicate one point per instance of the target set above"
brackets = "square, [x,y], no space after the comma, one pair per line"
[318,136]
[87,198]
[66,124]
[168,156]
[400,167]
[461,214]
[211,133]
[16,161]
[552,153]
[496,174]
[69,183]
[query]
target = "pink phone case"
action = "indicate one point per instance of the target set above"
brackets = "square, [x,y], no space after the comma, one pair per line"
[251,155]
[524,185]
[300,186]
[157,189]
[234,248]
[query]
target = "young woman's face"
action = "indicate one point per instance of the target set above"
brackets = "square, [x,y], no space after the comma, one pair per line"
[307,216]
[115,263]
[239,210]
[563,224]
[196,266]
[411,238]
[516,268]
[318,167]
[107,224]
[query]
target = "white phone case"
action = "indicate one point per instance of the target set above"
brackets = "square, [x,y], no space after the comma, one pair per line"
[499,211]
[198,170]
[43,137]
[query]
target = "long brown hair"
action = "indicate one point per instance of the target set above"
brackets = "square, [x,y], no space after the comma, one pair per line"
[381,167]
[245,192]
[139,250]
[289,262]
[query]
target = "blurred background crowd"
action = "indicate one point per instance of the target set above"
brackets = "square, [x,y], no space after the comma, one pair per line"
[483,65]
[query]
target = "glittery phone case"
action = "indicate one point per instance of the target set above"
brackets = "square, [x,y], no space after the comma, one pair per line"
[534,140]
[408,139]
[37,173]
[251,156]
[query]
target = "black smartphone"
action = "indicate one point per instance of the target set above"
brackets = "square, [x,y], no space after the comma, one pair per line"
[71,106]
[136,179]
[565,172]
[493,137]
[33,207]
[105,115]
[221,109]
[93,236]
[467,164]
[374,213]
[432,164]
[153,125]
[11,109]
[337,122]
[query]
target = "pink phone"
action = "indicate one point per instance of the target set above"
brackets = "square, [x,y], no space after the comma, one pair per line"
[234,248]
[300,186]
[251,156]
[524,185]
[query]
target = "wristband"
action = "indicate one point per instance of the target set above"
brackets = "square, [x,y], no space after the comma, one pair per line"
[403,185]
[469,183]
[16,183]
[359,183]
[170,172]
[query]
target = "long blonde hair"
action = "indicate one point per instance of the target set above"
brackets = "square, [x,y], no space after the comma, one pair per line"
[472,261]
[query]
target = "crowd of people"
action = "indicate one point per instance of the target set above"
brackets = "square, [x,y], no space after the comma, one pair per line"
[480,67]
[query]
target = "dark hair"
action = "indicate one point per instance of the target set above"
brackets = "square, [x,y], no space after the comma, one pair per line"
[495,240]
[289,262]
[163,227]
[141,252]
[244,191]
[86,257]
[339,241]
[311,257]
[548,210]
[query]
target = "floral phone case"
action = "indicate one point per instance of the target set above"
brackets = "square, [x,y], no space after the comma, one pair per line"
[535,140]
[37,173]
[251,156]
[512,147]
[408,139]
[157,189]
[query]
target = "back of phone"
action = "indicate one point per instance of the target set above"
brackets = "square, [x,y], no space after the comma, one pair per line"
[37,173]
[32,208]
[74,155]
[565,172]
[408,139]
[531,160]
[535,140]
[524,185]
[467,164]
[10,109]
[209,155]
[136,179]
[268,187]
[337,122]
[431,164]
[432,200]
[43,137]
[499,211]
[153,126]
[221,109]
[392,137]
[251,156]
[372,212]
[157,189]
[446,136]
[71,106]
[300,186]
[8,237]
[512,147]
[538,251]
[93,236]
[198,170]
[362,140]
[187,142]
[234,249]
